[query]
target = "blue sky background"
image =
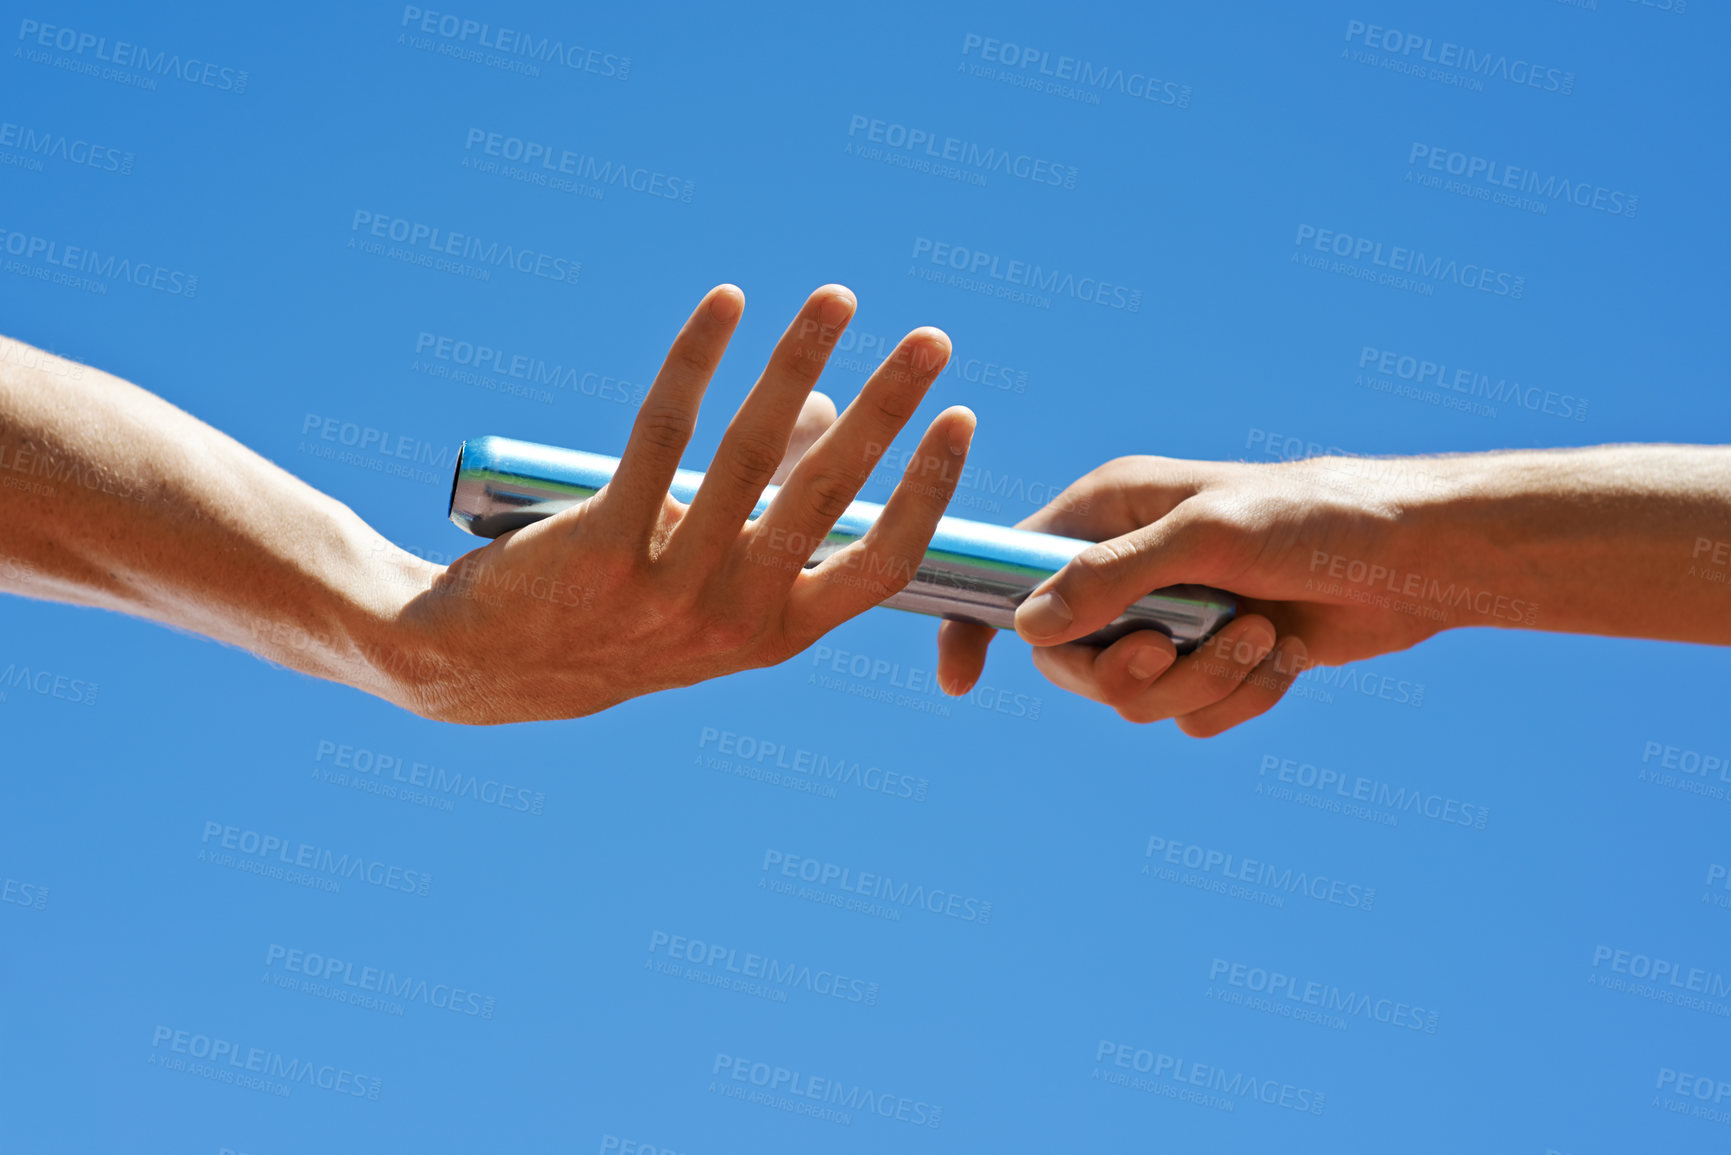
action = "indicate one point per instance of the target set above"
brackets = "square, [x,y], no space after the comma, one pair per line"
[1041,804]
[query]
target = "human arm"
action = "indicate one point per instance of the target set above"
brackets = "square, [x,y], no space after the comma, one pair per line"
[1336,559]
[112,497]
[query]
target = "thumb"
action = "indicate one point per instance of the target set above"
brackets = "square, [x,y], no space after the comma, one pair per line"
[1097,584]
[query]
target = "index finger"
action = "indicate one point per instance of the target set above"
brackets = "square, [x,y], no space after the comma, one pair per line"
[1117,497]
[1125,493]
[638,488]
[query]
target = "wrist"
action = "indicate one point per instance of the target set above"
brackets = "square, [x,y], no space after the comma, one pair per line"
[1476,529]
[401,657]
[1409,535]
[372,585]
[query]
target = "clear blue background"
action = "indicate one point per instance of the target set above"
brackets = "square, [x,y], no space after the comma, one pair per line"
[1046,817]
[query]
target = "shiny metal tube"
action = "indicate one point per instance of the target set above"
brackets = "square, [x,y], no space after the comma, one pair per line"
[971,572]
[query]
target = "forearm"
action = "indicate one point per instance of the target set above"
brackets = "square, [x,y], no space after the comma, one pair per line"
[1619,540]
[112,497]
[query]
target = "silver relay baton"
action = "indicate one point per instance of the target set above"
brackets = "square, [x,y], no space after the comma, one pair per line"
[971,572]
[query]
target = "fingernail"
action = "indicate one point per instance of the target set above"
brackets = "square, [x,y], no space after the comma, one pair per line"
[1043,615]
[726,305]
[961,435]
[835,310]
[1147,662]
[1260,635]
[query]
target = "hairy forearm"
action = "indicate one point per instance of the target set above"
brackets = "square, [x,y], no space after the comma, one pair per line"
[1615,540]
[112,497]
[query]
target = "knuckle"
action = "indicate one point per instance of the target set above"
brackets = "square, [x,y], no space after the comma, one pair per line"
[729,633]
[895,406]
[1121,469]
[611,570]
[1203,530]
[1197,520]
[694,360]
[1218,688]
[805,362]
[892,573]
[1138,713]
[753,460]
[829,494]
[665,428]
[1096,564]
[930,476]
[1200,727]
[1120,697]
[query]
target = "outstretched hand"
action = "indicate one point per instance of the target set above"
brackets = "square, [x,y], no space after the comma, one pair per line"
[640,592]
